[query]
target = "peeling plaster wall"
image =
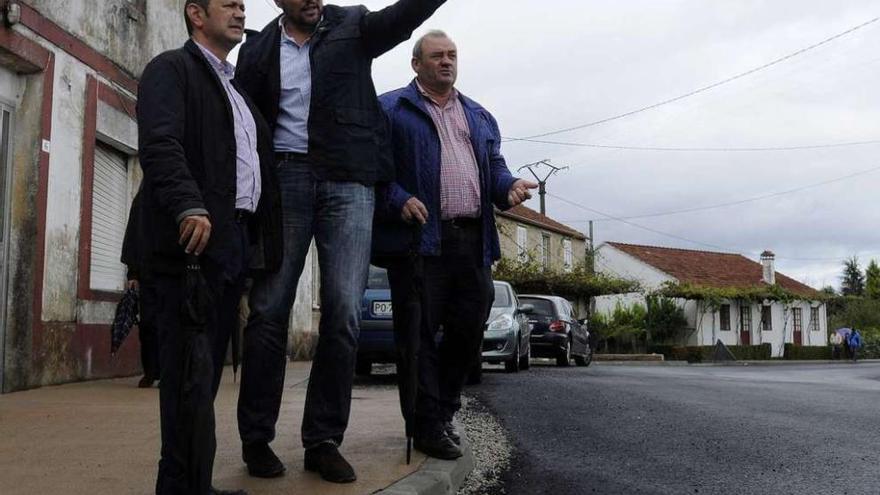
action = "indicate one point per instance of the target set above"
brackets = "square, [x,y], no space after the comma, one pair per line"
[69,326]
[120,29]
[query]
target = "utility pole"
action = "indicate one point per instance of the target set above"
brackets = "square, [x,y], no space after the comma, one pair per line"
[542,183]
[592,248]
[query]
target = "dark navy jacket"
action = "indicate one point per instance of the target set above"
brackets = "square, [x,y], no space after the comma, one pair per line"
[416,151]
[347,135]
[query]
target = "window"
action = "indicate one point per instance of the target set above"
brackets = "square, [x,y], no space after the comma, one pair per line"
[814,319]
[766,318]
[566,255]
[724,313]
[745,318]
[522,237]
[110,202]
[798,319]
[545,251]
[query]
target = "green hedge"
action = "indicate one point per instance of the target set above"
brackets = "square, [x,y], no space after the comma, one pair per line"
[795,352]
[699,354]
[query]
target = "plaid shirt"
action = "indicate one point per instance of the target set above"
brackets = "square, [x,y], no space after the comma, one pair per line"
[459,177]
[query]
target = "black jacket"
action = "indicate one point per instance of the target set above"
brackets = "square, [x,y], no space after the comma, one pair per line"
[131,243]
[187,152]
[348,135]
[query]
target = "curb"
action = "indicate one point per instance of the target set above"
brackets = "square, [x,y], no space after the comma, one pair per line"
[435,476]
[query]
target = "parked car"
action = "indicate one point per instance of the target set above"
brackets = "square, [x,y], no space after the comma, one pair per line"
[376,339]
[556,332]
[506,335]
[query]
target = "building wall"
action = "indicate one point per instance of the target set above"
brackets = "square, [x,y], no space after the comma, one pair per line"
[68,69]
[615,263]
[705,326]
[510,248]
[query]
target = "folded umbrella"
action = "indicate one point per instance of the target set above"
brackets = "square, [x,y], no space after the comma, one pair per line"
[126,317]
[196,398]
[407,333]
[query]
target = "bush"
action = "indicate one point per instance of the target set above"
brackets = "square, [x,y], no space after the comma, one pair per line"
[795,352]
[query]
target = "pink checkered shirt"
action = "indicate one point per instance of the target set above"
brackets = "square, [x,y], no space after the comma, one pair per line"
[459,178]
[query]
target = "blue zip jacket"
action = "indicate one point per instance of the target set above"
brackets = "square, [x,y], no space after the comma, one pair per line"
[416,151]
[855,340]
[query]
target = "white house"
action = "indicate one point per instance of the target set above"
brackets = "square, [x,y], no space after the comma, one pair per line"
[801,322]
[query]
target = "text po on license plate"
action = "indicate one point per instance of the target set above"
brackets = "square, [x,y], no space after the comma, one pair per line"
[382,308]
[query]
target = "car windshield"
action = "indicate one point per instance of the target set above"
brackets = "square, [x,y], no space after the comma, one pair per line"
[502,297]
[378,278]
[543,307]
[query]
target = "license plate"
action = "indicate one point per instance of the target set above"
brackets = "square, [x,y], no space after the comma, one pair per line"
[382,308]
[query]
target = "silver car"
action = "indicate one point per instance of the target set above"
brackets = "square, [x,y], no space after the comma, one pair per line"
[507,333]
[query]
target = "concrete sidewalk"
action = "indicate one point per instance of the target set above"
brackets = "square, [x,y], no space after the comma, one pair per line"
[102,437]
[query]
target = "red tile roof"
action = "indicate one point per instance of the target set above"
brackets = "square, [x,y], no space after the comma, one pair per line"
[709,269]
[527,215]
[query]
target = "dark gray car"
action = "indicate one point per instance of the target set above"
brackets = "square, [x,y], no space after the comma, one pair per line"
[556,332]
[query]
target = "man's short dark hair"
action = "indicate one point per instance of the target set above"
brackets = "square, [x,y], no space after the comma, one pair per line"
[201,3]
[434,33]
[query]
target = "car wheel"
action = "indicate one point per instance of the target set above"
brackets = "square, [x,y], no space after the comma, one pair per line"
[564,357]
[586,359]
[526,361]
[363,367]
[512,365]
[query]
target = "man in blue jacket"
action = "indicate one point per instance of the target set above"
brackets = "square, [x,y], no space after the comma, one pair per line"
[450,175]
[309,72]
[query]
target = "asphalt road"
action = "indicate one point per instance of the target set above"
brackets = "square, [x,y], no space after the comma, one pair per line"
[797,429]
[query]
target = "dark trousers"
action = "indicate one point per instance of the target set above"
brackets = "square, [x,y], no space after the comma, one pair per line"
[179,473]
[457,296]
[147,333]
[338,216]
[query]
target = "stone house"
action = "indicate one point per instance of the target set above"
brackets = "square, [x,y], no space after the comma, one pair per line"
[526,234]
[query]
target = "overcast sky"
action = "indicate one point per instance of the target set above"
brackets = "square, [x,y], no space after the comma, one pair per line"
[540,66]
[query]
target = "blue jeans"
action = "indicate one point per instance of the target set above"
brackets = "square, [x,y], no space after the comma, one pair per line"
[339,216]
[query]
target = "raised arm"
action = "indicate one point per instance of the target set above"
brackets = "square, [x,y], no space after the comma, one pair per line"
[384,29]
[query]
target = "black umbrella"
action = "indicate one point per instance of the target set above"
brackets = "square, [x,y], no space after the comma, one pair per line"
[126,317]
[407,332]
[196,397]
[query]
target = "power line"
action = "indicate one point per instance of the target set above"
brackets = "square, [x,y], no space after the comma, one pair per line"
[685,239]
[702,89]
[748,200]
[725,149]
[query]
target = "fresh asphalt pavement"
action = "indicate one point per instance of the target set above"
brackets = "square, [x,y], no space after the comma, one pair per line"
[798,429]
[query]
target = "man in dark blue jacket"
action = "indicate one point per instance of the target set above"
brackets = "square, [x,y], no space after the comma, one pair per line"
[208,191]
[309,71]
[450,175]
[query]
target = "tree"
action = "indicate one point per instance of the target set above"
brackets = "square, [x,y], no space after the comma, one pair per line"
[828,290]
[665,320]
[872,280]
[852,279]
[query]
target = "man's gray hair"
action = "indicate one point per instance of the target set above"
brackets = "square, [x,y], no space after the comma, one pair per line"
[434,33]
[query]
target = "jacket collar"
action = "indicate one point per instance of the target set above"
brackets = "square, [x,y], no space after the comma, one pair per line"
[412,94]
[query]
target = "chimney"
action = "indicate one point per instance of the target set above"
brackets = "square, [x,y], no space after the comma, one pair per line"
[768,262]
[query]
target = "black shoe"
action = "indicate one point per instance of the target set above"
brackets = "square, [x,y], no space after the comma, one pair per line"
[439,447]
[452,433]
[326,460]
[215,491]
[261,461]
[146,382]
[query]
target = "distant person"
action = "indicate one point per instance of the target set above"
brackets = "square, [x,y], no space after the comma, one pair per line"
[450,178]
[855,343]
[836,343]
[139,279]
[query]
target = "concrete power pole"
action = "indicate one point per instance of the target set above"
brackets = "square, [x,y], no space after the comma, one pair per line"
[542,183]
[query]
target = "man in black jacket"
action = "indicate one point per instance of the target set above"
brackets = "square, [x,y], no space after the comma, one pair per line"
[209,191]
[309,72]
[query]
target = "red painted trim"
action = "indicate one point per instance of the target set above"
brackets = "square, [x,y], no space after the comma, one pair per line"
[29,56]
[56,35]
[94,340]
[42,200]
[95,91]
